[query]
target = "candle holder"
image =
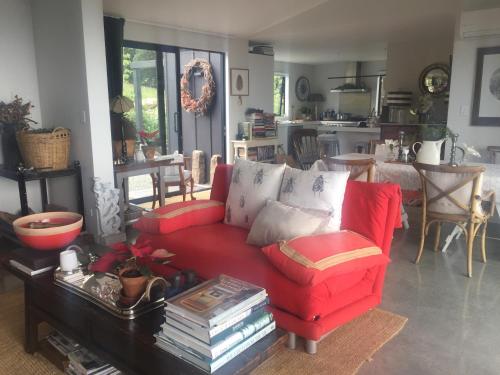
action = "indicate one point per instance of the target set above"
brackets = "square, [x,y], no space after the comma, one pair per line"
[400,148]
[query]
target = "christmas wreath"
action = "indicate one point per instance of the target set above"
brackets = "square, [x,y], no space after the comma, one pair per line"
[202,104]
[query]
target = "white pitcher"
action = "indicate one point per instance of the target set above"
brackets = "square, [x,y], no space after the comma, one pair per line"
[429,152]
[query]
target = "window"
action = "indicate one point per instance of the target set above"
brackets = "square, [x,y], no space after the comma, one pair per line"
[280,86]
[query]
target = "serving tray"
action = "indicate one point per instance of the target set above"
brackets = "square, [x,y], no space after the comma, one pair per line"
[103,290]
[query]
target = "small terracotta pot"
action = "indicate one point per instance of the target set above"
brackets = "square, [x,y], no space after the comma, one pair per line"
[133,287]
[149,152]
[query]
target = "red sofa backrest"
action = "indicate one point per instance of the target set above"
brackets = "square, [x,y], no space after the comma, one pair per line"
[370,209]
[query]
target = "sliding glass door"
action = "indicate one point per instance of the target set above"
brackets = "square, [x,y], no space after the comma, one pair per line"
[151,79]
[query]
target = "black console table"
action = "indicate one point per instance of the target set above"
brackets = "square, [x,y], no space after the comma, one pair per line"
[22,175]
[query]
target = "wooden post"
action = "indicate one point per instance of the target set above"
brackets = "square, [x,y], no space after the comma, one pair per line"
[214,161]
[198,167]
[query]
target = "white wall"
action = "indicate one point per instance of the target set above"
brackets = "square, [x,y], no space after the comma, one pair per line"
[18,76]
[236,51]
[406,60]
[295,71]
[462,93]
[69,40]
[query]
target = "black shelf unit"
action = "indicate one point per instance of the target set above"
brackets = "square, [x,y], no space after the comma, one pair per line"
[22,175]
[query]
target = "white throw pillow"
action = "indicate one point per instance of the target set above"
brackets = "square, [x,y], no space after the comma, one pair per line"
[252,184]
[279,222]
[321,190]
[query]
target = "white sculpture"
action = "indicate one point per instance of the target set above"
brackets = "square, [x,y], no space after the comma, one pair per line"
[108,209]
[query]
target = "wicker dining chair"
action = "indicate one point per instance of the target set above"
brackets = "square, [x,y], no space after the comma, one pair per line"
[180,176]
[306,147]
[360,170]
[453,194]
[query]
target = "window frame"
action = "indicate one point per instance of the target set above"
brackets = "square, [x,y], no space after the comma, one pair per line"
[286,94]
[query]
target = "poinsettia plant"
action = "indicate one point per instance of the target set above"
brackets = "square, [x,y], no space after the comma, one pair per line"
[143,254]
[148,138]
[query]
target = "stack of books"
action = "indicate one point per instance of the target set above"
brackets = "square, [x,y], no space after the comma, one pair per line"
[214,322]
[34,262]
[263,125]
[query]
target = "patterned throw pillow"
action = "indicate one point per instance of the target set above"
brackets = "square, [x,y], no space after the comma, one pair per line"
[252,184]
[321,190]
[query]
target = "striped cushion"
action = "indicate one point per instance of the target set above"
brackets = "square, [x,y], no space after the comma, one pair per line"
[181,215]
[310,260]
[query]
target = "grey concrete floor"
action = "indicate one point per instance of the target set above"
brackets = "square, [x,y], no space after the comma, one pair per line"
[453,321]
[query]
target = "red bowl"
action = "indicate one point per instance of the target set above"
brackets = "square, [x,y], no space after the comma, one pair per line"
[48,238]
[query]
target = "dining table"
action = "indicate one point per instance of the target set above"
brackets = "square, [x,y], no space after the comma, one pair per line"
[407,177]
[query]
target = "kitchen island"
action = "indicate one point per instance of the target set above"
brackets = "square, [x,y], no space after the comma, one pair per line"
[347,132]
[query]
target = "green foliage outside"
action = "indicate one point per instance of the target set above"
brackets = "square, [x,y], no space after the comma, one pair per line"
[279,95]
[148,87]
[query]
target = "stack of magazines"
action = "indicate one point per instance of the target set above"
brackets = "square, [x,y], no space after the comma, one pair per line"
[214,322]
[81,361]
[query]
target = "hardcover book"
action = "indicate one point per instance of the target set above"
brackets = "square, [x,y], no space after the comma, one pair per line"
[216,300]
[214,351]
[220,331]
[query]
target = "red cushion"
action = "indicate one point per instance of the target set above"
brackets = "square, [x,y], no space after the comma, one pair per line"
[311,259]
[372,210]
[180,215]
[219,248]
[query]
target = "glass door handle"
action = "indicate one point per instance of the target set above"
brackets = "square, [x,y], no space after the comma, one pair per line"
[176,122]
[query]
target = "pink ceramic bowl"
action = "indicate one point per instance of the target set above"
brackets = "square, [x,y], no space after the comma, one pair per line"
[52,237]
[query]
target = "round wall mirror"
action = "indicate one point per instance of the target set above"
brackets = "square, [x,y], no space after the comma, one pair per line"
[435,79]
[302,89]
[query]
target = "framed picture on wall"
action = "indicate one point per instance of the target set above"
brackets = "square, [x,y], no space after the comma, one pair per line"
[486,103]
[239,82]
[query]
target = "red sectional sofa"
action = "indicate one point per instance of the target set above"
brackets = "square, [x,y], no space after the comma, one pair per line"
[372,210]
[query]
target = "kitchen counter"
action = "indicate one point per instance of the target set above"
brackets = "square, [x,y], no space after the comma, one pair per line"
[348,133]
[324,126]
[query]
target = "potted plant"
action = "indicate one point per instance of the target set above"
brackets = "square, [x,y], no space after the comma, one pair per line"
[422,109]
[14,116]
[134,279]
[148,139]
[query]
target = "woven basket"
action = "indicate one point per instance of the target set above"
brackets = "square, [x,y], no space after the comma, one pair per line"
[49,151]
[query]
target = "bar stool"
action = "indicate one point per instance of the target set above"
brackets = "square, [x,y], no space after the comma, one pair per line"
[328,144]
[361,147]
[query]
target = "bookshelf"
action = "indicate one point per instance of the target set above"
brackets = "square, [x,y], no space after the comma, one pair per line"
[263,149]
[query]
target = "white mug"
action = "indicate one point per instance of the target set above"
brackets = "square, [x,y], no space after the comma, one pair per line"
[68,260]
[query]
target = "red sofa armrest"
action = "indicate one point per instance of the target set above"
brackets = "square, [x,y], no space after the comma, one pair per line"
[221,182]
[372,210]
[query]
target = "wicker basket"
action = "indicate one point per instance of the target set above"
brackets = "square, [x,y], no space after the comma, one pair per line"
[49,151]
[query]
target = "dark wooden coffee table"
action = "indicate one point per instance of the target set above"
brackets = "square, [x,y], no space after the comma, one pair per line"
[127,345]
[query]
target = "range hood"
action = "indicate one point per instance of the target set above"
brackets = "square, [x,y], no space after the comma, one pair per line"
[352,82]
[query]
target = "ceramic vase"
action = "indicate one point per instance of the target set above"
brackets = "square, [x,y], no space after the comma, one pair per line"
[149,152]
[10,149]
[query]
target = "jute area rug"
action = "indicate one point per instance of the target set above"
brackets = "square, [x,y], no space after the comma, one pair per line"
[343,352]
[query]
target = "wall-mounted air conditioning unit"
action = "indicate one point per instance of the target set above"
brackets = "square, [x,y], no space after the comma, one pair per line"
[480,23]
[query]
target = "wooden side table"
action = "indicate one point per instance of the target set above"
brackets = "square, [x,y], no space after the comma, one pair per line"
[241,147]
[124,171]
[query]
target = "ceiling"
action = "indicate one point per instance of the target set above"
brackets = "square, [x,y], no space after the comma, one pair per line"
[312,31]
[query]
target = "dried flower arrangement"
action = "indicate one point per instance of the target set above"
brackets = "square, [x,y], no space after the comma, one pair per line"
[16,113]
